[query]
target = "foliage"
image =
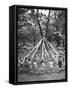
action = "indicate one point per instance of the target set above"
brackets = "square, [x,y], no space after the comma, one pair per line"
[32,23]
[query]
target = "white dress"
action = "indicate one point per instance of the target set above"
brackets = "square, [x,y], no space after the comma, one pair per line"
[51,64]
[35,64]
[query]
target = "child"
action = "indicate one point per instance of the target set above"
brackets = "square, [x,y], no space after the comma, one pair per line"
[35,64]
[60,63]
[51,65]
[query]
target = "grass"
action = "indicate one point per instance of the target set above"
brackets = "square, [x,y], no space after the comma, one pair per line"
[23,77]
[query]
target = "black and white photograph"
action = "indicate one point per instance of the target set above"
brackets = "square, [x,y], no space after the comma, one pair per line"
[41,44]
[34,45]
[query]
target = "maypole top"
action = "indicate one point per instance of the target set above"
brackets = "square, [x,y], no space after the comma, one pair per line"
[44,32]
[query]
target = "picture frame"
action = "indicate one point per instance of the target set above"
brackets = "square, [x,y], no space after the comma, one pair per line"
[20,17]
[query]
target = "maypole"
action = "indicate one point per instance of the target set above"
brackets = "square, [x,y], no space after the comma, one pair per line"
[43,46]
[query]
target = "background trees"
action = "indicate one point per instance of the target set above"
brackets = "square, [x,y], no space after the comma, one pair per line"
[32,23]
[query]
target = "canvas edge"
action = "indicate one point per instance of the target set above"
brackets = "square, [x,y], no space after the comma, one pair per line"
[40,7]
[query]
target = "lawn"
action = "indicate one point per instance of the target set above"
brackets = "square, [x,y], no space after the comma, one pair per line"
[23,77]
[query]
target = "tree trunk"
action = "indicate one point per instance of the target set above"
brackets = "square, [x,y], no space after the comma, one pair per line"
[47,23]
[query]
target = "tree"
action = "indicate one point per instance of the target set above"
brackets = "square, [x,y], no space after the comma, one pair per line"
[33,22]
[60,26]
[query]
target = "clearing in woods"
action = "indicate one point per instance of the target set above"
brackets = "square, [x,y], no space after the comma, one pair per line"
[23,77]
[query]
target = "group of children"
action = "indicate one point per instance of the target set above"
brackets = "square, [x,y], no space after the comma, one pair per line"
[28,62]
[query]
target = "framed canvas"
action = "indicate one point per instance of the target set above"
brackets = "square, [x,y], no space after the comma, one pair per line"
[37,44]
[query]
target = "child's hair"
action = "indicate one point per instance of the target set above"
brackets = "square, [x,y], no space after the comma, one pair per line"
[28,59]
[25,58]
[20,58]
[59,56]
